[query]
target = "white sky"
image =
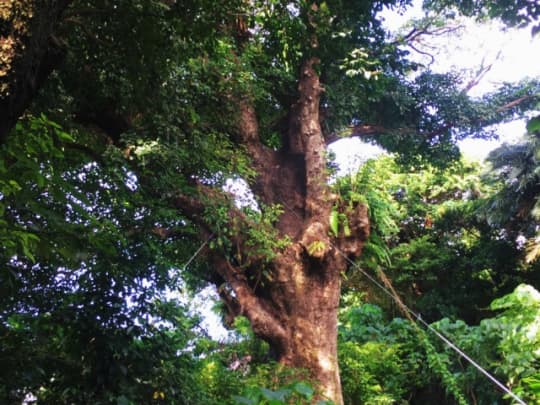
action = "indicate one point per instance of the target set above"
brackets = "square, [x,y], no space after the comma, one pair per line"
[514,54]
[478,43]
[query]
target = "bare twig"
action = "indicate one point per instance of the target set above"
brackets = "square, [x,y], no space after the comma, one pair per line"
[480,73]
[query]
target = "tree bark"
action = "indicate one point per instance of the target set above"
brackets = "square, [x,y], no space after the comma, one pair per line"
[295,308]
[312,297]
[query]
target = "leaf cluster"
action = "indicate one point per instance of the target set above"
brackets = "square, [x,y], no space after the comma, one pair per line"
[507,344]
[83,311]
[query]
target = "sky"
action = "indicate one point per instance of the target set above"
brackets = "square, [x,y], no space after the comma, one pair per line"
[477,43]
[513,54]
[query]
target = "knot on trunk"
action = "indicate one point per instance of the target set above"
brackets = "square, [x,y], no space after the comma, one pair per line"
[359,229]
[315,240]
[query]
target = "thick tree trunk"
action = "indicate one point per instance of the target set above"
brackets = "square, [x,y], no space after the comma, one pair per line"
[295,309]
[312,296]
[313,346]
[296,312]
[304,295]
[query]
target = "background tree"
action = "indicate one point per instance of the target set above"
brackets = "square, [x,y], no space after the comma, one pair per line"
[513,13]
[430,234]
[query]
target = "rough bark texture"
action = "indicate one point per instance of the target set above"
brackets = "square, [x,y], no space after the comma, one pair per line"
[28,53]
[296,308]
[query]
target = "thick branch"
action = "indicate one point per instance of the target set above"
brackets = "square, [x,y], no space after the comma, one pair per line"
[306,138]
[280,176]
[264,160]
[261,316]
[244,300]
[194,208]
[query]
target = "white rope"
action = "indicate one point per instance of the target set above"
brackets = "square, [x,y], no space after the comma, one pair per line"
[428,326]
[433,330]
[470,360]
[197,252]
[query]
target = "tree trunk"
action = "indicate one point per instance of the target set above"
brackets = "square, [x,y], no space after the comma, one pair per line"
[311,323]
[313,346]
[296,311]
[295,308]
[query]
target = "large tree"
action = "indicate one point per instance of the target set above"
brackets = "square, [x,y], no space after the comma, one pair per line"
[188,94]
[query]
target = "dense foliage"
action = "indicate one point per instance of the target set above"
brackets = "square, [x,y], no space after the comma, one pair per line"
[99,255]
[434,236]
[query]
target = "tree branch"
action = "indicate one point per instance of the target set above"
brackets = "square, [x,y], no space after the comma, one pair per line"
[263,159]
[414,37]
[231,304]
[480,73]
[516,102]
[359,131]
[243,300]
[264,321]
[306,138]
[431,57]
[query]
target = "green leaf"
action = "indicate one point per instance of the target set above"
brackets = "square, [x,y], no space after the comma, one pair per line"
[304,389]
[346,229]
[533,382]
[14,185]
[64,136]
[316,247]
[533,125]
[334,222]
[244,400]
